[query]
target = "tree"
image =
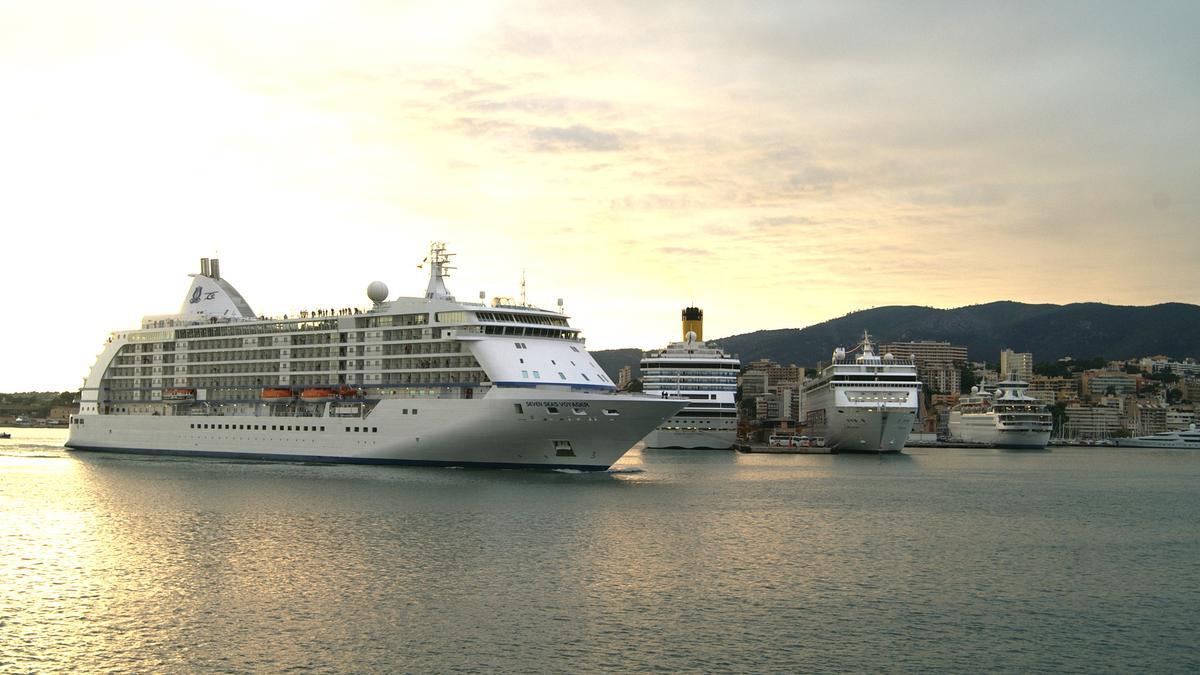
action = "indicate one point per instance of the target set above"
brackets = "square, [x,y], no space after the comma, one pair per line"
[966,379]
[1051,369]
[748,408]
[1059,417]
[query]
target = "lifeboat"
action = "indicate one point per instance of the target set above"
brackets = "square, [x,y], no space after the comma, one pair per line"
[277,395]
[316,395]
[176,394]
[346,391]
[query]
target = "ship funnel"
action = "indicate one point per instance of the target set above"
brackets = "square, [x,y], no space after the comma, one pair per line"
[204,267]
[693,322]
[214,266]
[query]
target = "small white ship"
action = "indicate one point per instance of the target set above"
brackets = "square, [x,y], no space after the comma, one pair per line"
[1006,417]
[1188,438]
[863,403]
[427,380]
[705,377]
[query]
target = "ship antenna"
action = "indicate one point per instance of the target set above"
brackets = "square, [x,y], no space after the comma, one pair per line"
[523,303]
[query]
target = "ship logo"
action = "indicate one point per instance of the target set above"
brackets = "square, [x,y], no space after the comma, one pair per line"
[196,295]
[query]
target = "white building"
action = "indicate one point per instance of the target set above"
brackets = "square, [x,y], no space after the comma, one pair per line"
[1016,363]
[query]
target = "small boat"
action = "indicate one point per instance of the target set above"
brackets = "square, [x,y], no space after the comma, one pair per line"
[346,391]
[178,394]
[276,395]
[316,395]
[5,434]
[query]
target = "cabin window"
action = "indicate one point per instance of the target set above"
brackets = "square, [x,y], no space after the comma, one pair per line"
[560,374]
[610,412]
[552,410]
[537,375]
[525,374]
[585,377]
[356,429]
[374,430]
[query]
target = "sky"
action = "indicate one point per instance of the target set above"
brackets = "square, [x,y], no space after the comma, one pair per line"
[776,163]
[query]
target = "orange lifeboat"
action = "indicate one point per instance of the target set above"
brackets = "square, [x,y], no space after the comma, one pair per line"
[316,395]
[278,395]
[177,394]
[346,391]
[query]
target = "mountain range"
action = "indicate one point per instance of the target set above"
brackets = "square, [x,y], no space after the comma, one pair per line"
[1050,332]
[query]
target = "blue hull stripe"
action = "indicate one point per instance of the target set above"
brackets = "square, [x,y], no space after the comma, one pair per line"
[335,460]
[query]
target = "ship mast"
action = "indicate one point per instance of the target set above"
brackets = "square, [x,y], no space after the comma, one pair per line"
[439,268]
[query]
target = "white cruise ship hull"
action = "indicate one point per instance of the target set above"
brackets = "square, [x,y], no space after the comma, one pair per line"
[588,432]
[699,439]
[869,430]
[983,429]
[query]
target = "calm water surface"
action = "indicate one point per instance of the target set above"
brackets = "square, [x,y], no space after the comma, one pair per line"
[953,560]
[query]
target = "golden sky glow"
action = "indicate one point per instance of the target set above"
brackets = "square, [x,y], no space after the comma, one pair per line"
[778,164]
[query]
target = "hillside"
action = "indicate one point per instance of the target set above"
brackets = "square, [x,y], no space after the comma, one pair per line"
[1080,330]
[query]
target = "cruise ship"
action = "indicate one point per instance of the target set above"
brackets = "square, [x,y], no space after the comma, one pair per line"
[1188,438]
[1006,417]
[705,377]
[862,402]
[425,380]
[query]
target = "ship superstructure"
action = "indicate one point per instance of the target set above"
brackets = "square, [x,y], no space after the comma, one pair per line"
[702,375]
[429,380]
[862,402]
[1004,417]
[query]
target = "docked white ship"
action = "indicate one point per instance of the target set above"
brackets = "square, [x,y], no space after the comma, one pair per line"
[412,381]
[864,402]
[1006,417]
[1188,438]
[705,377]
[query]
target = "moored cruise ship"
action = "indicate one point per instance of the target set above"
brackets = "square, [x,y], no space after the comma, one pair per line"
[862,403]
[428,380]
[704,376]
[1007,417]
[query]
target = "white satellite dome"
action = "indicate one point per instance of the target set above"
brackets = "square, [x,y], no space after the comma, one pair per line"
[691,336]
[377,291]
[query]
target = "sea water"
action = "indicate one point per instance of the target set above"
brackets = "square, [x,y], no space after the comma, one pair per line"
[1078,559]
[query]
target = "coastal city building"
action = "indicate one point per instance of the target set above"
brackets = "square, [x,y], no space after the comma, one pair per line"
[1050,390]
[1191,390]
[624,377]
[939,364]
[1143,419]
[1179,418]
[1018,365]
[1087,422]
[1098,383]
[1187,367]
[775,390]
[776,373]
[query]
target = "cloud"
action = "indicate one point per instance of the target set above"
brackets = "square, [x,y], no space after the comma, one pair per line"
[574,138]
[816,179]
[681,250]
